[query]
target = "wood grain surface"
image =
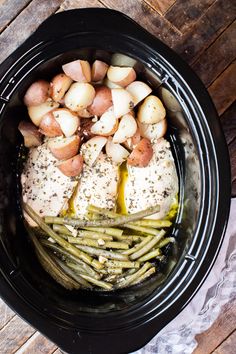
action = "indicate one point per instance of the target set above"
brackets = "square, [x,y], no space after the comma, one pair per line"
[202,32]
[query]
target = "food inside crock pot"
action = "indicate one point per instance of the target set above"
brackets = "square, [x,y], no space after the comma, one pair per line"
[99,185]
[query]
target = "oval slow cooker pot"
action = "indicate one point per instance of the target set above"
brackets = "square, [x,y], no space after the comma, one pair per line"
[125,320]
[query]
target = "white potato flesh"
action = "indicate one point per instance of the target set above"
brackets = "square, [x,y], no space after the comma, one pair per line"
[153,131]
[39,175]
[139,90]
[68,121]
[116,152]
[151,110]
[123,101]
[106,125]
[156,184]
[110,84]
[92,148]
[119,59]
[126,129]
[97,186]
[79,96]
[36,113]
[122,76]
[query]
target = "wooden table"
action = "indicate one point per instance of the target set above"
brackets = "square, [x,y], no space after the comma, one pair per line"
[203,32]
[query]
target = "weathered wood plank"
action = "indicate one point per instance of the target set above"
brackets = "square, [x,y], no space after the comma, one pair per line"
[215,20]
[26,23]
[218,56]
[14,335]
[223,89]
[161,6]
[146,17]
[37,344]
[185,13]
[228,122]
[75,4]
[228,346]
[9,12]
[221,328]
[6,314]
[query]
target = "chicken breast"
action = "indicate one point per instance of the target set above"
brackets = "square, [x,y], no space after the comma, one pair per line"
[44,187]
[97,186]
[155,184]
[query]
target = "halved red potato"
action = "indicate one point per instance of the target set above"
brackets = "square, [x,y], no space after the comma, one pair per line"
[49,126]
[99,70]
[141,155]
[153,131]
[106,125]
[67,120]
[64,148]
[59,85]
[72,167]
[130,143]
[32,137]
[139,90]
[117,152]
[37,93]
[151,110]
[78,70]
[92,148]
[36,113]
[102,101]
[84,113]
[79,96]
[85,129]
[122,76]
[122,101]
[119,59]
[126,129]
[110,84]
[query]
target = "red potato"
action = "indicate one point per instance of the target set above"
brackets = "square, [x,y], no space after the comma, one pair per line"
[139,90]
[117,152]
[64,148]
[99,70]
[59,85]
[110,84]
[49,126]
[122,101]
[84,113]
[153,131]
[68,121]
[36,113]
[141,155]
[72,167]
[130,143]
[126,129]
[37,93]
[92,149]
[106,125]
[78,70]
[32,137]
[102,101]
[79,96]
[151,110]
[85,129]
[122,76]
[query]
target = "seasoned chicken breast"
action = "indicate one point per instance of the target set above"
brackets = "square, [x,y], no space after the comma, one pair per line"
[44,187]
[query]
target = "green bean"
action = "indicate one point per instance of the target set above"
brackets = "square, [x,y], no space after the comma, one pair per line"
[129,238]
[72,274]
[50,265]
[165,242]
[119,220]
[100,283]
[104,253]
[98,243]
[77,267]
[96,264]
[106,230]
[150,255]
[63,243]
[153,223]
[148,246]
[144,230]
[126,281]
[111,271]
[144,276]
[65,253]
[61,229]
[122,264]
[138,246]
[94,235]
[111,278]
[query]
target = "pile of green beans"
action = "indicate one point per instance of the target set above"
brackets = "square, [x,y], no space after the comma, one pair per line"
[107,252]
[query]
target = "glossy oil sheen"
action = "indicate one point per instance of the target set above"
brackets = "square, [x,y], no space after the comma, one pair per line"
[122,321]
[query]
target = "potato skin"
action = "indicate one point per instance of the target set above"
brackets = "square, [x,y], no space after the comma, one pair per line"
[66,149]
[102,101]
[37,93]
[78,70]
[72,167]
[99,70]
[49,126]
[59,85]
[32,136]
[141,155]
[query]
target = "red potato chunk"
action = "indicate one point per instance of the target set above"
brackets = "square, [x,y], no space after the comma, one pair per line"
[37,93]
[49,126]
[72,167]
[64,148]
[141,155]
[78,70]
[32,137]
[58,86]
[102,101]
[99,70]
